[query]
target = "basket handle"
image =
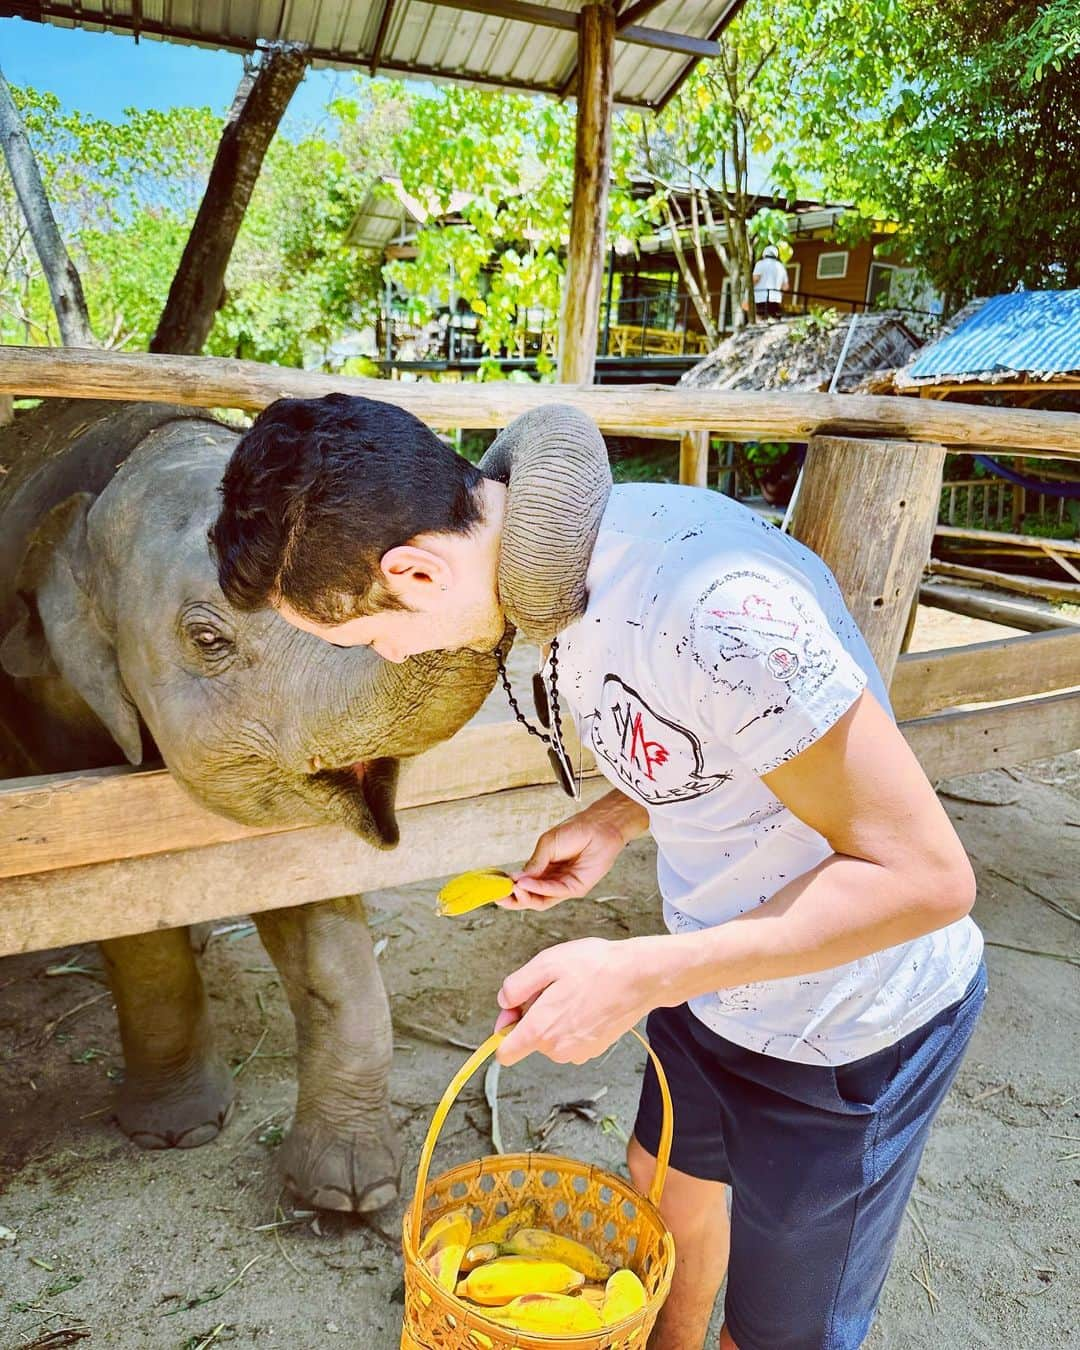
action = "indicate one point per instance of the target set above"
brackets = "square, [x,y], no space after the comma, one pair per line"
[449,1097]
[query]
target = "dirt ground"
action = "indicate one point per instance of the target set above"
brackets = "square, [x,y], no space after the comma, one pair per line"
[146,1250]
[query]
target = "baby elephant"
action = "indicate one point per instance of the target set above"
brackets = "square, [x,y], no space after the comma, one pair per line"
[115,633]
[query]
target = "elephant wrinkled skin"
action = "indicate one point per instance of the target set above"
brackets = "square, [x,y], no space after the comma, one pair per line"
[114,632]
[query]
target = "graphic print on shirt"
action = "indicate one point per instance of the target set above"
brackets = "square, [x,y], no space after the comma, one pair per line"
[744,621]
[659,760]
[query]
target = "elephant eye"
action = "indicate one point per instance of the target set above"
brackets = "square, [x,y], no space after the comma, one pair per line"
[208,640]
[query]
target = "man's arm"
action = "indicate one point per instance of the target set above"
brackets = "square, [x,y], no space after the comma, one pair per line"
[897,871]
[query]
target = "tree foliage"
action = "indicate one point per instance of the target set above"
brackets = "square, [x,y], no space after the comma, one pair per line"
[975,150]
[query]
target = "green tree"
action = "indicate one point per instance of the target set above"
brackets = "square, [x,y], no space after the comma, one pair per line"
[505,163]
[749,121]
[975,151]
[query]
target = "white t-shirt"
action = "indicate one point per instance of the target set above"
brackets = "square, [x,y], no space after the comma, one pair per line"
[770,274]
[714,648]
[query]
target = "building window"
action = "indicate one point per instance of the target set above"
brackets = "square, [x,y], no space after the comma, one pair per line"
[832,266]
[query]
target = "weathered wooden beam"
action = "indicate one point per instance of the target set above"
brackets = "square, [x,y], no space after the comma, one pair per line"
[1031,541]
[985,672]
[62,821]
[953,743]
[217,382]
[580,310]
[1008,581]
[196,290]
[1013,613]
[167,890]
[380,36]
[694,458]
[868,508]
[543,16]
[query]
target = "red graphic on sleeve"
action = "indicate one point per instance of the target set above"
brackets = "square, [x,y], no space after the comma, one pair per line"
[756,614]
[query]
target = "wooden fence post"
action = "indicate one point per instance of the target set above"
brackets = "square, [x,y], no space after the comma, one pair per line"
[869,509]
[580,313]
[694,458]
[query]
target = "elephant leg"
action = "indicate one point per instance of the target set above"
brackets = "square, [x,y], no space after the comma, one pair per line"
[341,1151]
[176,1093]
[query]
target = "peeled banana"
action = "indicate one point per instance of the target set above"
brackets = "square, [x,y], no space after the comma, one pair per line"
[444,1247]
[472,890]
[624,1295]
[504,1280]
[552,1314]
[547,1246]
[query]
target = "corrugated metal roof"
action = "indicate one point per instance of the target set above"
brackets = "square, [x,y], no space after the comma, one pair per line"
[420,37]
[1033,335]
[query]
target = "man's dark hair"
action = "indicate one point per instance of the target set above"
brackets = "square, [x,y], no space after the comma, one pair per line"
[319,489]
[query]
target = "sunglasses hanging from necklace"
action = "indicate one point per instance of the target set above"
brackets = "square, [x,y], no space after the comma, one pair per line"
[549,717]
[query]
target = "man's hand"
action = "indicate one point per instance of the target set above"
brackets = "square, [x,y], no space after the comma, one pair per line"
[571,858]
[573,1001]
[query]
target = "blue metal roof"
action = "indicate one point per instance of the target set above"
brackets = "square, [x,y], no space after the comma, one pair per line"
[1034,333]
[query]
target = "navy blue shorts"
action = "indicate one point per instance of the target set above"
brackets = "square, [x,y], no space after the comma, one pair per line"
[821,1161]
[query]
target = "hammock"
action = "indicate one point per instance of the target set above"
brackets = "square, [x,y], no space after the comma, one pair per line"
[1071,491]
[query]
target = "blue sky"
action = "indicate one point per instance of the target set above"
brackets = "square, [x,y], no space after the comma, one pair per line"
[104,73]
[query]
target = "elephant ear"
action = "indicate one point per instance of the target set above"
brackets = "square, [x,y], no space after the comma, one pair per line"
[59,628]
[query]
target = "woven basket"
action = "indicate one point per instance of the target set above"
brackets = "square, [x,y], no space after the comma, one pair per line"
[590,1204]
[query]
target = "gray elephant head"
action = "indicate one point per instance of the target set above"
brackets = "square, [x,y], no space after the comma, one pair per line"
[118,596]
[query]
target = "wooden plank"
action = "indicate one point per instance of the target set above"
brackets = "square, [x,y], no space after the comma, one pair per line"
[209,382]
[952,743]
[63,821]
[694,458]
[166,890]
[986,672]
[868,508]
[580,312]
[1006,581]
[1014,613]
[1062,562]
[1034,542]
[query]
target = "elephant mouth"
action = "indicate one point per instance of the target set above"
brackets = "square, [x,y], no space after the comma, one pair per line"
[360,796]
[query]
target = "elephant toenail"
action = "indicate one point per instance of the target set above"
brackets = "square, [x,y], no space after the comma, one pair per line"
[199,1135]
[377,1196]
[331,1197]
[149,1141]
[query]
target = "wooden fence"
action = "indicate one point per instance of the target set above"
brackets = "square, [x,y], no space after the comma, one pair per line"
[117,851]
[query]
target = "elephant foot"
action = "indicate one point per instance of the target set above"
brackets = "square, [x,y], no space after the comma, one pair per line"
[355,1171]
[186,1111]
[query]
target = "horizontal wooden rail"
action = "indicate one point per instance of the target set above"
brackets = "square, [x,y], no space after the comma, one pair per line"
[167,890]
[74,820]
[986,672]
[206,381]
[1070,546]
[1011,610]
[257,872]
[951,743]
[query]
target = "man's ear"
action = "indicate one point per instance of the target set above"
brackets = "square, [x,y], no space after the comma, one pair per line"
[406,565]
[59,628]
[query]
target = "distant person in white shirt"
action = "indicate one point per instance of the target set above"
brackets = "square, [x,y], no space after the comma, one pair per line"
[770,282]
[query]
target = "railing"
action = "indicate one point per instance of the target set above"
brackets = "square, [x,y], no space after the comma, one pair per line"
[116,851]
[991,503]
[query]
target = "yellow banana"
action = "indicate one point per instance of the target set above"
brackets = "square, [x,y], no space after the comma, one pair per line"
[547,1246]
[505,1279]
[501,1229]
[444,1247]
[471,890]
[623,1296]
[547,1314]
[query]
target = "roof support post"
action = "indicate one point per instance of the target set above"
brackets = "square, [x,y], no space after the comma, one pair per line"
[580,312]
[869,509]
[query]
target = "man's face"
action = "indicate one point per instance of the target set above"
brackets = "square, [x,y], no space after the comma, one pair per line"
[396,634]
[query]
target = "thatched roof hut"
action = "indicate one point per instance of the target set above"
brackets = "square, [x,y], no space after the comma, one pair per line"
[801,355]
